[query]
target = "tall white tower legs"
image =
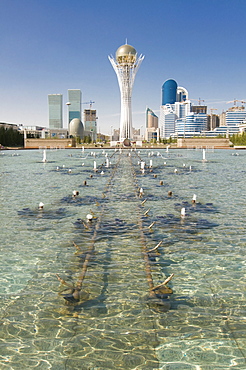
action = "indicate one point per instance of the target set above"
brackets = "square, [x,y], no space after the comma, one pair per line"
[126,66]
[126,104]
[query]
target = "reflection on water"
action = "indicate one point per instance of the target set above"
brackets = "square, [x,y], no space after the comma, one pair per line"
[115,325]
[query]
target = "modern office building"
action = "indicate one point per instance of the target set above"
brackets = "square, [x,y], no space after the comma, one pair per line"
[152,134]
[126,65]
[74,104]
[90,123]
[115,135]
[182,94]
[172,93]
[182,109]
[151,119]
[199,109]
[213,121]
[6,125]
[235,116]
[191,125]
[40,132]
[168,119]
[222,117]
[175,105]
[169,114]
[230,122]
[198,122]
[151,130]
[223,130]
[227,123]
[55,111]
[169,92]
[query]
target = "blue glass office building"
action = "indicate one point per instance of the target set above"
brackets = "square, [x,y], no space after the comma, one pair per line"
[169,92]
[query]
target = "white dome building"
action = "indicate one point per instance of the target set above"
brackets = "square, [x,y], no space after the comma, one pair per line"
[76,128]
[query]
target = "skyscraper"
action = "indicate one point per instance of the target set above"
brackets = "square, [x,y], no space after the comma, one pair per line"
[175,107]
[169,92]
[74,104]
[168,119]
[126,66]
[152,130]
[55,111]
[151,119]
[90,123]
[213,121]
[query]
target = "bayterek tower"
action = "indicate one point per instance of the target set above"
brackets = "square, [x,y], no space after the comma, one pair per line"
[126,64]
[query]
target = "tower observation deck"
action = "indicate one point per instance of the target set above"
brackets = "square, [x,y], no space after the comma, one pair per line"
[126,64]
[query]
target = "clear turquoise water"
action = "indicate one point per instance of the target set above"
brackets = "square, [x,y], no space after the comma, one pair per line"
[116,327]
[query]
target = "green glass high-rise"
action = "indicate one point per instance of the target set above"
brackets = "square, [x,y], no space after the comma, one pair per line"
[74,104]
[55,111]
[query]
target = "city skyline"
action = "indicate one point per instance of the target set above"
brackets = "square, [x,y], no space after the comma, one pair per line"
[50,47]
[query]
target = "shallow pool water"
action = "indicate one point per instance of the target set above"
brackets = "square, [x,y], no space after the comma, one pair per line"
[116,325]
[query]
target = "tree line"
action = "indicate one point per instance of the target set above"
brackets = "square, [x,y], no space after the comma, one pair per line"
[11,137]
[238,139]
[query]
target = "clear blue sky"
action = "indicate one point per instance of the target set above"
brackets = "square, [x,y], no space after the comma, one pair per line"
[50,46]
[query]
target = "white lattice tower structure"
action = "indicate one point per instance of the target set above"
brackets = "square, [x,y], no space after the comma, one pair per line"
[126,66]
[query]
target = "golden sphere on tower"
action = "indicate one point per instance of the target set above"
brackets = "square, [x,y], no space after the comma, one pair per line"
[126,54]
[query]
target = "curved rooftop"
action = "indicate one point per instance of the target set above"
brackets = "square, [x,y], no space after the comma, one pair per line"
[76,128]
[169,92]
